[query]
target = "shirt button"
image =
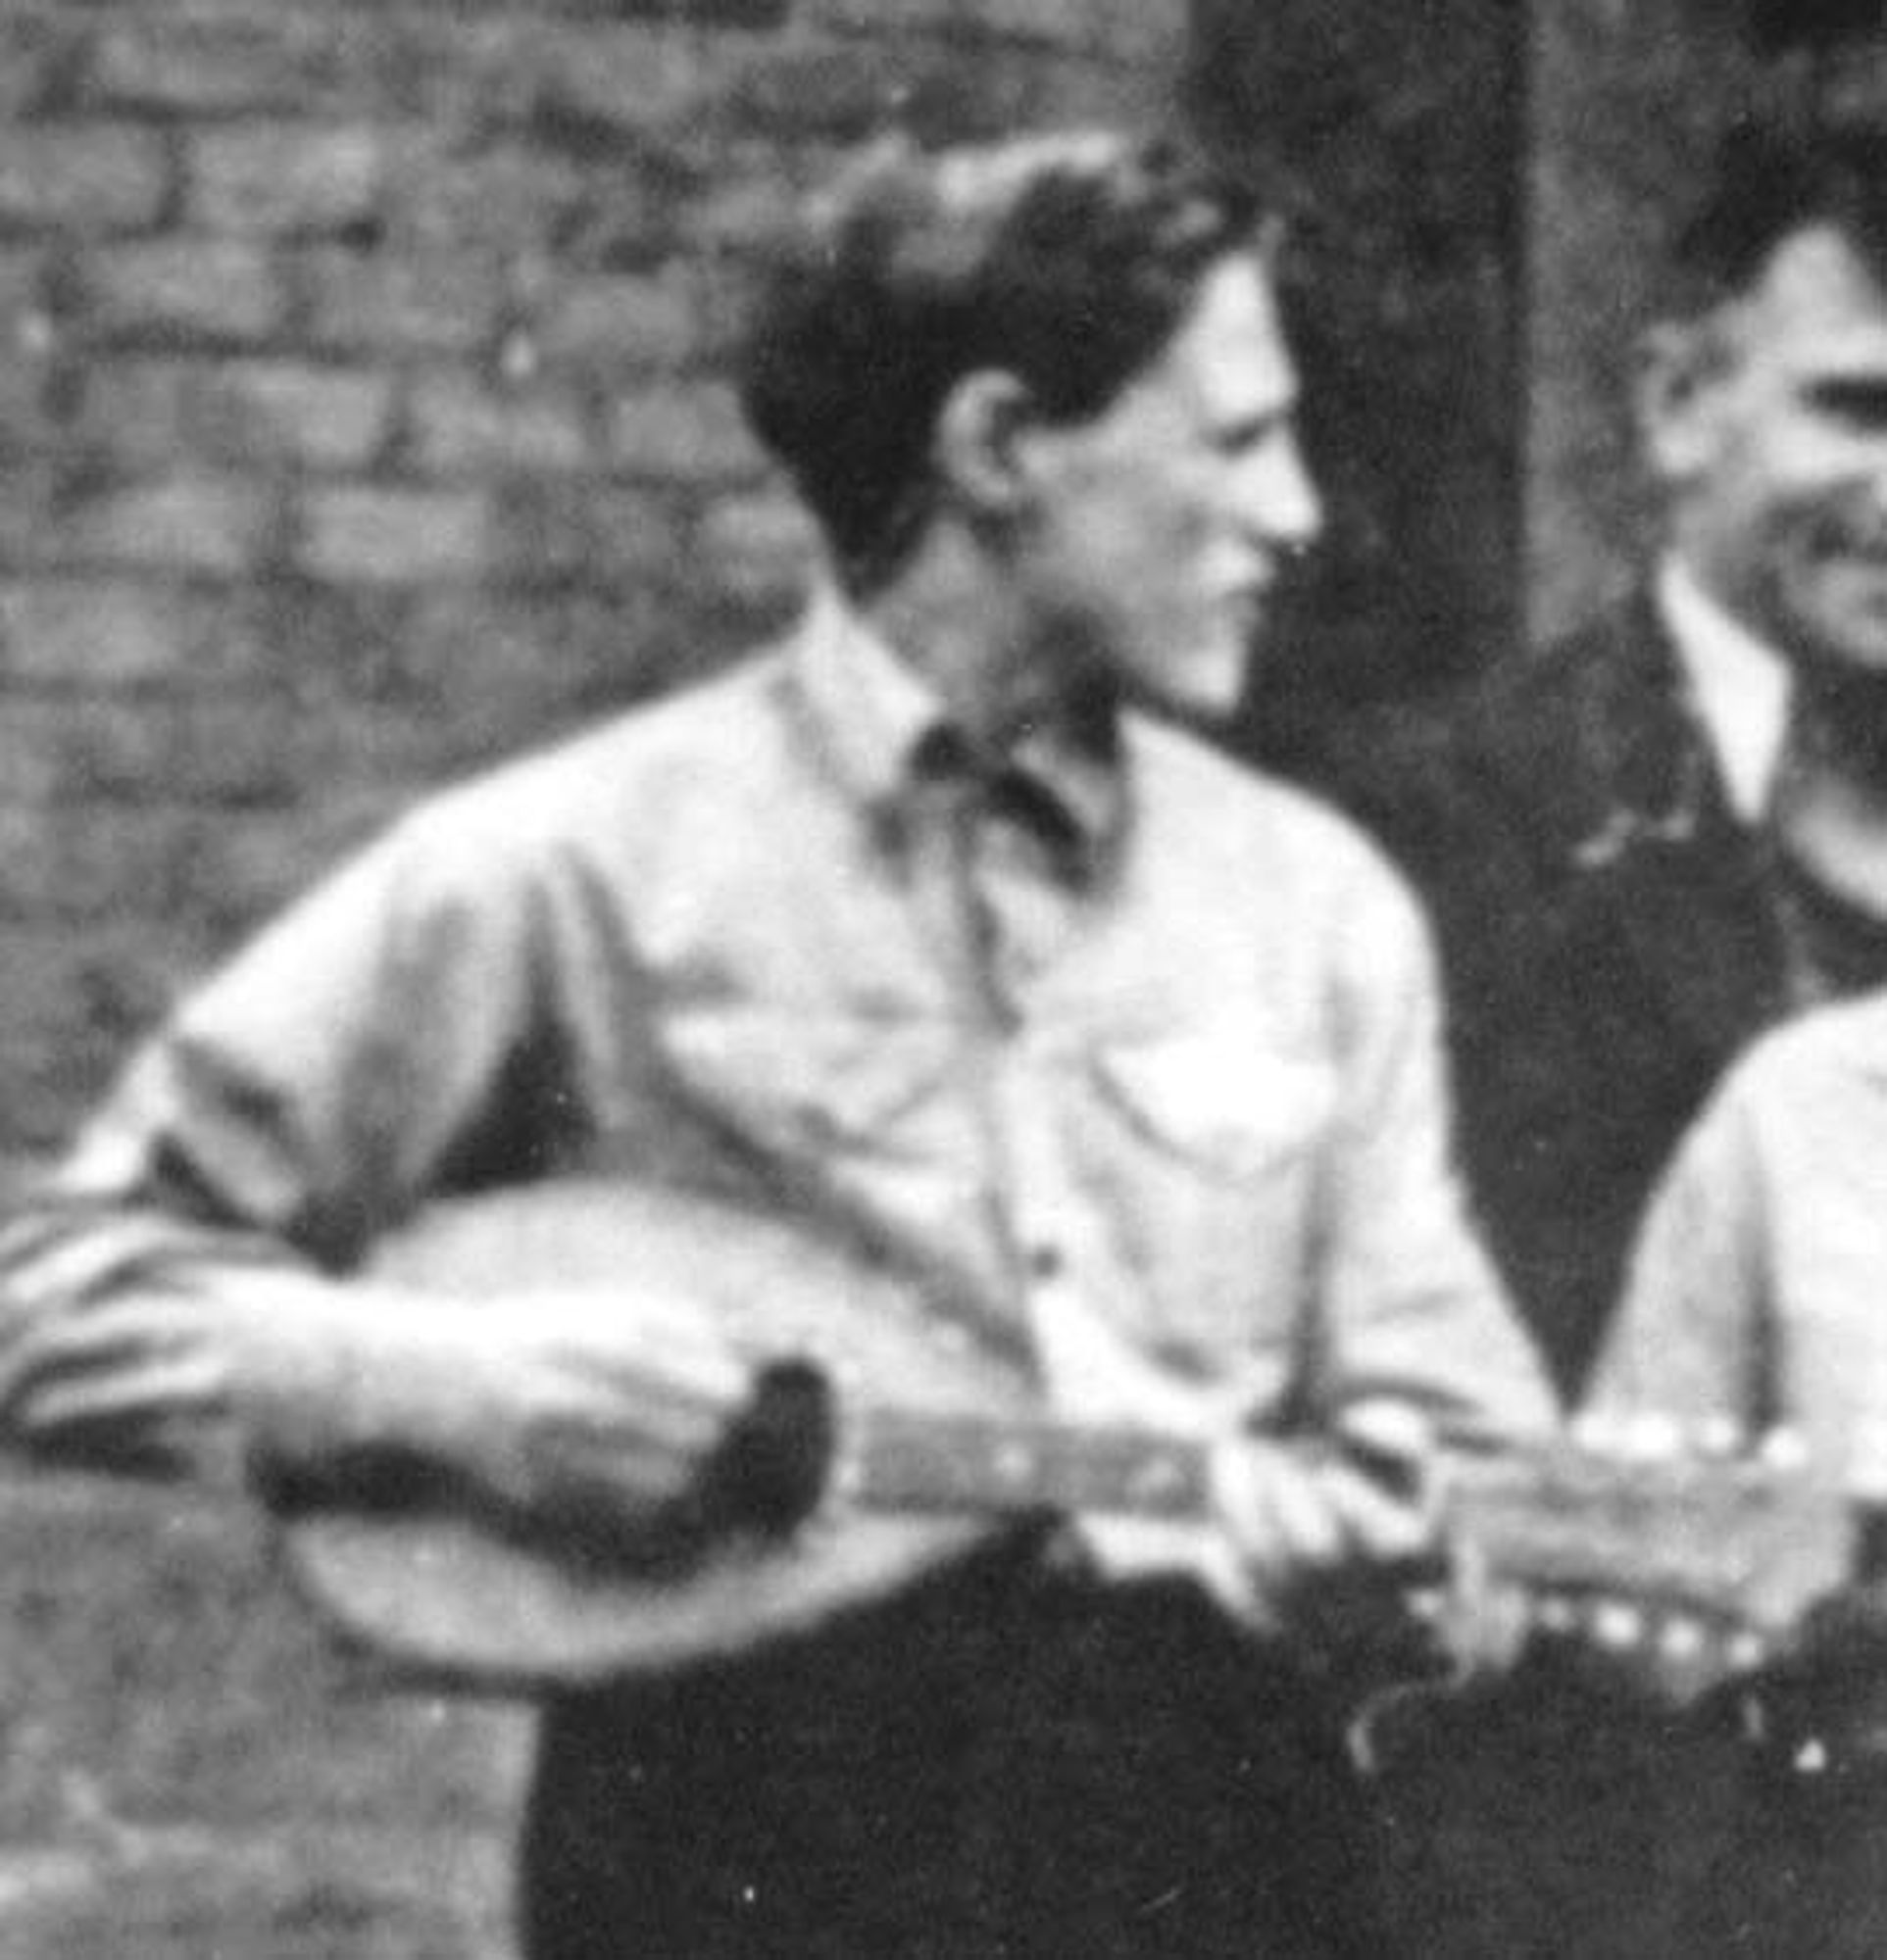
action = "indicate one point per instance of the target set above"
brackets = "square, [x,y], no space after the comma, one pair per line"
[1044,1262]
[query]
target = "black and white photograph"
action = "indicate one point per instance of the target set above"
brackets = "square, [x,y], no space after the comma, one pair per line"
[945,979]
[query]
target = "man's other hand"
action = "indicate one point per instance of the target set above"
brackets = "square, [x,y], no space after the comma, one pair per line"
[1365,1499]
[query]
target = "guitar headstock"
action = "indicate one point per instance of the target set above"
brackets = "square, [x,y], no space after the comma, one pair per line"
[1687,1565]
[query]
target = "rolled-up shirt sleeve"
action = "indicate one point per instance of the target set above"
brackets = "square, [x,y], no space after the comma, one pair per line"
[289,1110]
[1692,1343]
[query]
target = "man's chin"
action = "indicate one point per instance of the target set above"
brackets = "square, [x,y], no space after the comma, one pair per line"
[1207,688]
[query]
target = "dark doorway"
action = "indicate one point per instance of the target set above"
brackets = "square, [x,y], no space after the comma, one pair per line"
[1395,137]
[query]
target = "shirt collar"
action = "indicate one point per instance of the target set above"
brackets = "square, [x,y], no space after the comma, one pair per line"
[1738,685]
[885,734]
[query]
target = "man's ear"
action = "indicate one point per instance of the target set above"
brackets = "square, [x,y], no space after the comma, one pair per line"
[1676,394]
[978,451]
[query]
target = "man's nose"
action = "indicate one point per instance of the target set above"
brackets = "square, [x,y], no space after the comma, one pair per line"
[1281,502]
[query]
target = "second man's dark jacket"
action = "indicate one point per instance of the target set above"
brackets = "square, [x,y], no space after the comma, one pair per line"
[1607,934]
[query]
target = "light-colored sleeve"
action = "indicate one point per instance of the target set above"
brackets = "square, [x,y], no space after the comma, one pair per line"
[317,1084]
[290,1111]
[1412,1308]
[1691,1341]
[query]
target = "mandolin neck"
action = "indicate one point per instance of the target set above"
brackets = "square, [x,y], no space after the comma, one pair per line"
[1725,1540]
[916,1463]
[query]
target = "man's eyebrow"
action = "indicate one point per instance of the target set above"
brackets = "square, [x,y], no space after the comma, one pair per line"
[1862,396]
[1253,425]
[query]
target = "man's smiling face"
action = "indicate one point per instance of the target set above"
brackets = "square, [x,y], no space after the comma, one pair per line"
[1780,493]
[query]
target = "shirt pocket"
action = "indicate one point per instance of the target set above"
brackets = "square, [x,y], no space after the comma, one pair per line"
[1231,1113]
[1209,1152]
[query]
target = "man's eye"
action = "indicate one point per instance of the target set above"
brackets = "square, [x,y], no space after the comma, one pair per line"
[1243,438]
[1862,405]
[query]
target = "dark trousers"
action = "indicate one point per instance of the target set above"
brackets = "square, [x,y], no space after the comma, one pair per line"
[1559,1814]
[1005,1764]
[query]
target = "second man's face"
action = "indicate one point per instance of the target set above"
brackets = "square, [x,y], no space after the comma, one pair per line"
[1785,517]
[1165,521]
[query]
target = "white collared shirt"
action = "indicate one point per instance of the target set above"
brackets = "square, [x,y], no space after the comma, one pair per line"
[1198,1161]
[1739,685]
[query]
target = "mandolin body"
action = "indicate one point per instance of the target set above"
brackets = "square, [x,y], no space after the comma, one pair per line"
[428,1580]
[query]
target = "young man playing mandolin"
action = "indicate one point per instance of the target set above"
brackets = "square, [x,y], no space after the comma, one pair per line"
[919,932]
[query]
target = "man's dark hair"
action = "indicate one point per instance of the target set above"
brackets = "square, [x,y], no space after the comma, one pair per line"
[1775,176]
[1068,261]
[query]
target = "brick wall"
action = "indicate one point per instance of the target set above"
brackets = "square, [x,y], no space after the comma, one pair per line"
[362,411]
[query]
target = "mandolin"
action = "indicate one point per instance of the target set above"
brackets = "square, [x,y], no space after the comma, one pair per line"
[883,1443]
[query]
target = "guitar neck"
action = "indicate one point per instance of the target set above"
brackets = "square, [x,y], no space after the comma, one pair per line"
[969,1464]
[1727,1542]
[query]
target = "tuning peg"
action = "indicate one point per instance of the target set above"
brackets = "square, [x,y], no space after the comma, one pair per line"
[1681,1638]
[1783,1449]
[1746,1651]
[1618,1625]
[1553,1614]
